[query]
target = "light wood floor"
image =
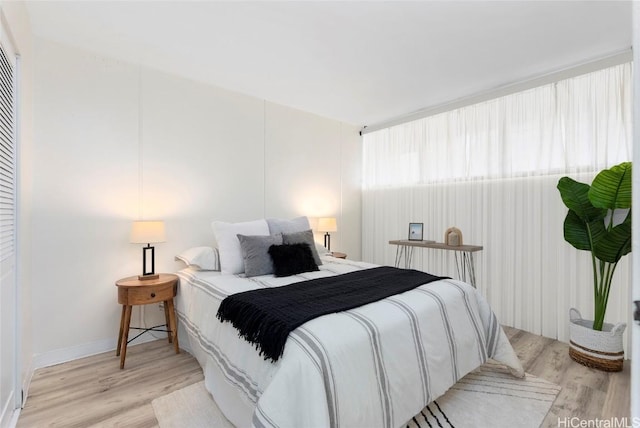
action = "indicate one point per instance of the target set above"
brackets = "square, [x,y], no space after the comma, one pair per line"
[586,393]
[94,392]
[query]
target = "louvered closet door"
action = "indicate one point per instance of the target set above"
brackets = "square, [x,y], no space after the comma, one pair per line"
[9,390]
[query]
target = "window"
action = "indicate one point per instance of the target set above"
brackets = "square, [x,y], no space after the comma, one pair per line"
[575,125]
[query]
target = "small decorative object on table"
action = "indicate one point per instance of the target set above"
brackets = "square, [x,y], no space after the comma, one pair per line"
[453,237]
[415,231]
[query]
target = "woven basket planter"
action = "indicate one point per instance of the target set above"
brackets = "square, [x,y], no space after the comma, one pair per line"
[601,350]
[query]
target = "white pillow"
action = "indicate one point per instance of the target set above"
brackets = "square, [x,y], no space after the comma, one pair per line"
[201,258]
[231,260]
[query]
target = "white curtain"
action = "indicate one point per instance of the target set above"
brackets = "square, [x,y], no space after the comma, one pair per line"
[491,169]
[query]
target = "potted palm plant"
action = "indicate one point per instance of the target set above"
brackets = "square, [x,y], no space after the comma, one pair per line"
[599,221]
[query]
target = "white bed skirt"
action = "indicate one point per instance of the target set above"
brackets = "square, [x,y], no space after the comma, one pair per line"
[232,405]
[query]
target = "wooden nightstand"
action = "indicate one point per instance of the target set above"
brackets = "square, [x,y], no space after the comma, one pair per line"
[338,255]
[132,291]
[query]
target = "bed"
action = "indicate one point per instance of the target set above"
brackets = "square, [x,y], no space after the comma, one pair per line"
[377,365]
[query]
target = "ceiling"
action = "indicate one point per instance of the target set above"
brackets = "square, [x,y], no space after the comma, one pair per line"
[358,62]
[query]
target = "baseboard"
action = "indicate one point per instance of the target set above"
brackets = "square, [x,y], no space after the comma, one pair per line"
[59,356]
[26,383]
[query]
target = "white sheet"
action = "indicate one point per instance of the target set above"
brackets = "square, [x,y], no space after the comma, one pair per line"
[373,366]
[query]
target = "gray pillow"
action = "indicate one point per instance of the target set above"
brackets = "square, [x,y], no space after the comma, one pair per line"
[305,237]
[255,253]
[279,225]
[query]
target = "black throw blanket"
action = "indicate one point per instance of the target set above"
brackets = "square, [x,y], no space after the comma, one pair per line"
[266,316]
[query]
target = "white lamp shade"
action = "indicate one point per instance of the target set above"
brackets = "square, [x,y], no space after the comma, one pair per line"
[147,232]
[327,224]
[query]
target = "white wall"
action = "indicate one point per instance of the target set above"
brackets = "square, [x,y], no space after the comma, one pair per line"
[328,156]
[114,142]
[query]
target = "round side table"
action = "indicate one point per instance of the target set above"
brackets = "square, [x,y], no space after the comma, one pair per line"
[133,291]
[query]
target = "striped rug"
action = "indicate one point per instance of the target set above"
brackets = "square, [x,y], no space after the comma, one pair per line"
[487,397]
[490,397]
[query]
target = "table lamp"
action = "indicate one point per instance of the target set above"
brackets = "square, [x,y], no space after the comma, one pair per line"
[147,232]
[327,224]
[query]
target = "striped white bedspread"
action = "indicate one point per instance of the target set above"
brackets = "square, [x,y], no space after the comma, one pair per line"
[374,366]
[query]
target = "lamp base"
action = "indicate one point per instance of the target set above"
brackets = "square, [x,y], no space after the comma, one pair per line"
[327,241]
[148,258]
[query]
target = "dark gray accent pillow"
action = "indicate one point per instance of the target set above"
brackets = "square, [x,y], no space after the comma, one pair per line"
[255,253]
[305,237]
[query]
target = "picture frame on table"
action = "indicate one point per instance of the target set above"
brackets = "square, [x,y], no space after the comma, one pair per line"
[416,231]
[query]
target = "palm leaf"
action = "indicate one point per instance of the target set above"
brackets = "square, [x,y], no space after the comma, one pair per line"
[581,234]
[615,243]
[584,226]
[575,196]
[611,188]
